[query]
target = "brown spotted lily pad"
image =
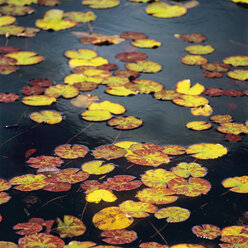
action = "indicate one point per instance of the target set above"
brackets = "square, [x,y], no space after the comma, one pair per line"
[125,123]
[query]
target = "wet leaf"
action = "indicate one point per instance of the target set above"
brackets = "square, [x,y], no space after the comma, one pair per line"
[199,49]
[125,123]
[232,128]
[98,195]
[81,53]
[198,125]
[109,152]
[152,245]
[190,100]
[185,170]
[111,218]
[131,75]
[96,168]
[145,146]
[146,43]
[6,244]
[213,66]
[213,92]
[41,240]
[41,82]
[184,87]
[157,178]
[32,90]
[4,197]
[113,108]
[156,196]
[146,86]
[166,95]
[84,86]
[233,93]
[131,56]
[233,137]
[133,36]
[144,66]
[194,37]
[67,91]
[71,176]
[38,100]
[101,4]
[193,60]
[236,60]
[53,20]
[206,151]
[46,116]
[78,78]
[25,57]
[137,209]
[122,183]
[221,118]
[41,161]
[50,3]
[76,16]
[4,185]
[16,10]
[236,184]
[119,237]
[68,151]
[29,182]
[174,150]
[27,228]
[206,231]
[70,227]
[97,61]
[238,74]
[92,185]
[8,97]
[173,214]
[212,74]
[96,115]
[77,244]
[120,91]
[56,186]
[162,10]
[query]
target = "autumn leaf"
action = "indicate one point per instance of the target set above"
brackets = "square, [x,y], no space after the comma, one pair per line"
[205,110]
[199,49]
[54,185]
[32,90]
[38,100]
[77,16]
[144,66]
[219,67]
[41,161]
[232,128]
[71,176]
[206,231]
[114,108]
[4,185]
[27,228]
[109,152]
[4,197]
[194,37]
[68,151]
[67,91]
[95,167]
[133,36]
[236,60]
[131,56]
[125,123]
[46,116]
[146,43]
[9,97]
[185,170]
[13,10]
[198,125]
[25,57]
[236,184]
[183,87]
[190,100]
[78,244]
[221,118]
[98,195]
[174,150]
[152,245]
[166,95]
[193,60]
[96,115]
[238,74]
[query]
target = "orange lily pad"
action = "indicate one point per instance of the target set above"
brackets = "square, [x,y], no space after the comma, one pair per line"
[206,231]
[68,151]
[71,176]
[125,123]
[213,66]
[4,197]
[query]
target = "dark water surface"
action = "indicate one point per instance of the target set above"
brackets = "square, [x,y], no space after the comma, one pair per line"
[225,25]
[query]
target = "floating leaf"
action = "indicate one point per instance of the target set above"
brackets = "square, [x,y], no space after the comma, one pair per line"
[212,74]
[183,87]
[166,95]
[206,151]
[156,196]
[27,228]
[6,244]
[25,58]
[190,100]
[68,151]
[96,168]
[122,183]
[71,176]
[174,150]
[205,110]
[85,86]
[185,170]
[206,231]
[67,91]
[233,137]
[144,66]
[237,184]
[133,36]
[4,197]
[162,10]
[221,118]
[116,81]
[199,49]
[213,66]
[131,56]
[240,1]
[41,240]
[29,182]
[146,43]
[152,245]
[173,214]
[32,90]
[96,115]
[131,75]
[238,74]
[13,10]
[48,170]
[56,186]
[81,53]
[126,145]
[145,146]
[77,244]
[41,161]
[8,49]
[109,152]
[4,185]
[78,78]
[119,237]
[8,97]
[113,108]
[7,20]
[47,116]
[77,16]
[232,128]
[146,86]
[234,241]
[53,20]
[233,93]
[187,246]
[157,178]
[41,82]
[213,92]
[100,194]
[38,100]
[194,37]
[137,209]
[125,123]
[97,61]
[120,91]
[50,3]
[111,218]
[193,60]
[198,125]
[193,187]
[70,227]
[234,231]
[236,60]
[101,4]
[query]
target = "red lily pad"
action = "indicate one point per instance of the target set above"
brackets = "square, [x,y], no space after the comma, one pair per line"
[41,240]
[109,152]
[30,152]
[37,162]
[108,67]
[4,185]
[194,37]
[54,185]
[233,138]
[233,93]
[119,237]
[72,176]
[152,245]
[92,185]
[122,183]
[41,82]
[68,151]
[8,49]
[27,228]
[212,74]
[214,66]
[131,56]
[213,92]
[4,197]
[86,86]
[33,90]
[125,123]
[234,241]
[133,36]
[131,75]
[8,97]
[206,231]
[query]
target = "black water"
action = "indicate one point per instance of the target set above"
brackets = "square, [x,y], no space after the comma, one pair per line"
[225,25]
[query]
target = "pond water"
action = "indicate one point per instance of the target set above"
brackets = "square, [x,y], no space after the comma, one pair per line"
[225,25]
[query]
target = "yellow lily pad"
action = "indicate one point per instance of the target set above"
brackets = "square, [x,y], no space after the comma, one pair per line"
[190,101]
[183,87]
[114,108]
[25,58]
[6,20]
[100,195]
[81,53]
[46,116]
[199,49]
[237,184]
[193,60]
[198,125]
[96,115]
[238,74]
[144,66]
[67,91]
[205,110]
[95,167]
[73,63]
[38,100]
[78,78]
[101,4]
[236,60]
[146,43]
[120,91]
[77,16]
